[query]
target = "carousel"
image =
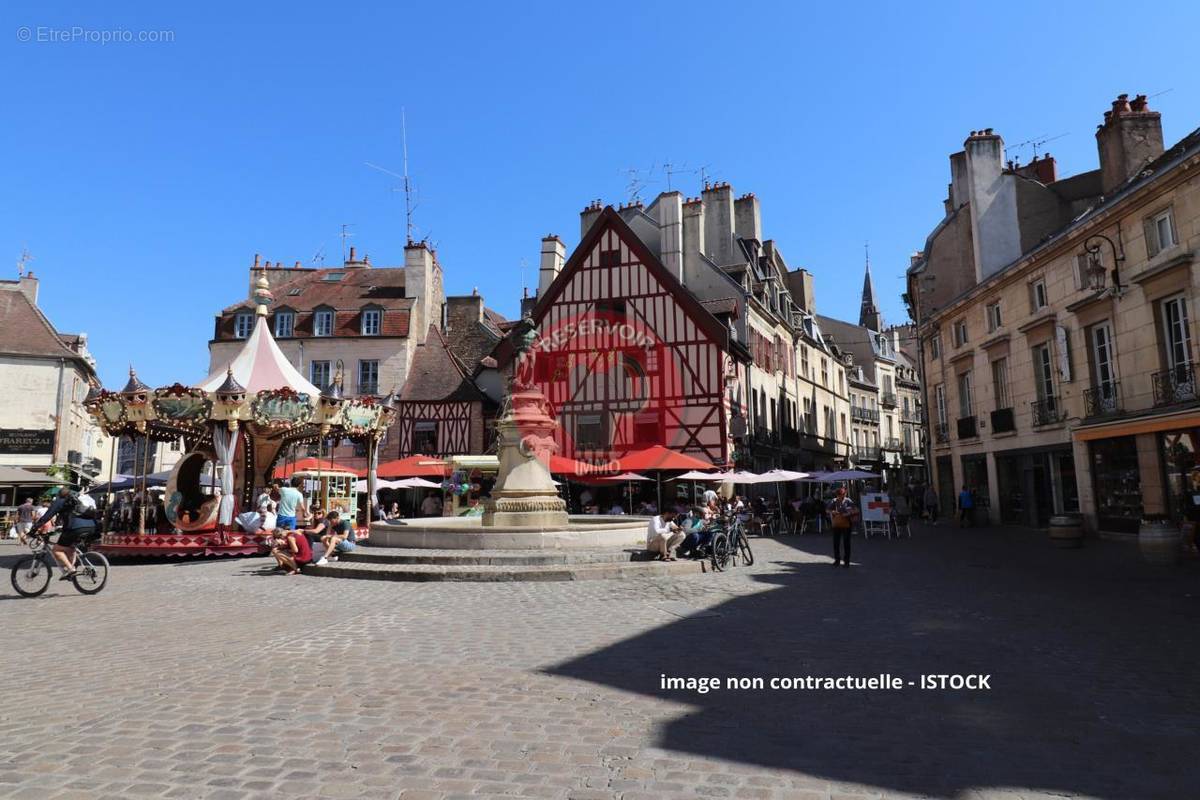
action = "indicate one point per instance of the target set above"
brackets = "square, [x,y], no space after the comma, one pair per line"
[243,419]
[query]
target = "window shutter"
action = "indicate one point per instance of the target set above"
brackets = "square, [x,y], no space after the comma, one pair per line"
[1032,298]
[1081,273]
[1152,246]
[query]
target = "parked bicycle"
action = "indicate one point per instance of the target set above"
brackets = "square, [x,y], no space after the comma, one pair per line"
[729,543]
[31,575]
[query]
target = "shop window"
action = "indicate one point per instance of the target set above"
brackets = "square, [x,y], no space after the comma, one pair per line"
[1117,483]
[1181,461]
[425,438]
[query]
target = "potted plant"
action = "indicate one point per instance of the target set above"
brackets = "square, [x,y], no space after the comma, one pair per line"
[1159,539]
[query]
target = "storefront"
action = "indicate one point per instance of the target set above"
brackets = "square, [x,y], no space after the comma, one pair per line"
[1036,484]
[1149,465]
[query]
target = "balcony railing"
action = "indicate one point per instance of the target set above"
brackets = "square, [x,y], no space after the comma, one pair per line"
[967,428]
[912,415]
[941,432]
[888,399]
[1103,400]
[1003,420]
[368,389]
[892,444]
[864,414]
[1046,411]
[1175,385]
[866,453]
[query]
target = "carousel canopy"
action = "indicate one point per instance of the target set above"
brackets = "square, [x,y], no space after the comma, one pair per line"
[261,365]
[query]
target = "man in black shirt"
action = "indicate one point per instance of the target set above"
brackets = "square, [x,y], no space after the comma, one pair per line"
[77,516]
[336,534]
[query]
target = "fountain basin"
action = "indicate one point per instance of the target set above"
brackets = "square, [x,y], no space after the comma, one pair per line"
[582,531]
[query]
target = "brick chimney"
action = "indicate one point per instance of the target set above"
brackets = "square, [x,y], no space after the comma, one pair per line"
[670,232]
[1042,169]
[718,223]
[29,286]
[693,237]
[588,216]
[995,232]
[554,254]
[747,217]
[1130,137]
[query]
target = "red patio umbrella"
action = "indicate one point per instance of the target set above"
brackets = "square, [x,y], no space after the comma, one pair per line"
[561,465]
[313,465]
[413,467]
[660,458]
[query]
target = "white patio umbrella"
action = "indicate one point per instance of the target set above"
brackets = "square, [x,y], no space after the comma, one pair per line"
[628,478]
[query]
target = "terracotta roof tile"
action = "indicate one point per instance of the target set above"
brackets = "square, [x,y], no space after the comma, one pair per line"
[25,331]
[436,374]
[304,290]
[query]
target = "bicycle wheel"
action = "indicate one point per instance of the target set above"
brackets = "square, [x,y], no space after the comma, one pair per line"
[720,551]
[31,576]
[744,549]
[91,572]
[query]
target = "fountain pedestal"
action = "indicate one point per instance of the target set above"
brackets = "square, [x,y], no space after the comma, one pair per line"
[525,494]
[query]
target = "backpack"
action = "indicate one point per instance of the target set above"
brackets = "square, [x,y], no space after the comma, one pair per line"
[85,506]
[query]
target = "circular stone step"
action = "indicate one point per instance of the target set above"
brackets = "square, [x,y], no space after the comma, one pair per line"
[508,572]
[516,558]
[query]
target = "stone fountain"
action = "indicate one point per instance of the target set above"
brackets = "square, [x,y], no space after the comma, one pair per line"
[525,511]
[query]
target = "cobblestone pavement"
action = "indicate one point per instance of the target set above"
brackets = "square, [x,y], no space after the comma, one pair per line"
[219,680]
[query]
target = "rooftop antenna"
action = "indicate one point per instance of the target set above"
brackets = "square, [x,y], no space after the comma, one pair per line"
[345,234]
[409,205]
[636,182]
[703,171]
[23,260]
[319,256]
[524,283]
[1038,141]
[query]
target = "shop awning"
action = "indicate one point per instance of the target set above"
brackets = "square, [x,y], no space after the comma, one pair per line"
[1132,427]
[287,469]
[661,458]
[15,476]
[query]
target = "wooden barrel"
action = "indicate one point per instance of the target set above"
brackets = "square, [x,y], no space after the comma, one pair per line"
[1066,531]
[1159,541]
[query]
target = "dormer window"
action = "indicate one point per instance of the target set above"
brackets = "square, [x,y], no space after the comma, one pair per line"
[323,322]
[285,324]
[371,319]
[242,325]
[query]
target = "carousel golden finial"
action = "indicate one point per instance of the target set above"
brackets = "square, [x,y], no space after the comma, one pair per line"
[262,294]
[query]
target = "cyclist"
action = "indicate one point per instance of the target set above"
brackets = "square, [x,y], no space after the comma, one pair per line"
[76,515]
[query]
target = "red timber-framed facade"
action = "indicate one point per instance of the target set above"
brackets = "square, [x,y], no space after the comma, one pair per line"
[628,357]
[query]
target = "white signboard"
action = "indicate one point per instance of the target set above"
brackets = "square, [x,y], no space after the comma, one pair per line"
[876,507]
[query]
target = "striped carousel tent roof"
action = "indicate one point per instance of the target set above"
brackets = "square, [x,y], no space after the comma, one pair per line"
[260,364]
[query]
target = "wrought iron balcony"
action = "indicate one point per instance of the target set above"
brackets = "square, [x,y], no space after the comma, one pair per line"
[941,432]
[1175,385]
[1104,400]
[368,388]
[866,452]
[864,414]
[1003,420]
[892,444]
[967,428]
[888,399]
[1046,411]
[912,415]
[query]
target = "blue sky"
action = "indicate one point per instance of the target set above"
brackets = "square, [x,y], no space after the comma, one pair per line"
[143,177]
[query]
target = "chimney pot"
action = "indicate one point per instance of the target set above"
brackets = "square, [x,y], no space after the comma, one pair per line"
[256,257]
[351,253]
[297,266]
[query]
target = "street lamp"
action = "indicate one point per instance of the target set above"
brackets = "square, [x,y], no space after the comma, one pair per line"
[1095,265]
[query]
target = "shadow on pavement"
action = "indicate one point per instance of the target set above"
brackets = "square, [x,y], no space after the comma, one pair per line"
[1093,659]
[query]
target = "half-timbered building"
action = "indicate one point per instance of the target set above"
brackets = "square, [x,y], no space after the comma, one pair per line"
[628,357]
[783,394]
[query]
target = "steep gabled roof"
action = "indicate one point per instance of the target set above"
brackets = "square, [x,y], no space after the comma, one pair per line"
[25,331]
[610,219]
[305,289]
[436,375]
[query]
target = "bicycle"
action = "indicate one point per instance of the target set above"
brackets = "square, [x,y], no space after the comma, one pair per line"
[729,542]
[31,575]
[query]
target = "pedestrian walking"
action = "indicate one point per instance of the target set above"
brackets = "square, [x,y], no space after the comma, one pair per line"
[966,506]
[842,513]
[931,504]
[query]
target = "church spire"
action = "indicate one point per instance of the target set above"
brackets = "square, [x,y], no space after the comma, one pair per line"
[869,316]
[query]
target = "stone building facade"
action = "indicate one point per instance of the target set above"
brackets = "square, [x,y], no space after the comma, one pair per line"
[48,375]
[1056,322]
